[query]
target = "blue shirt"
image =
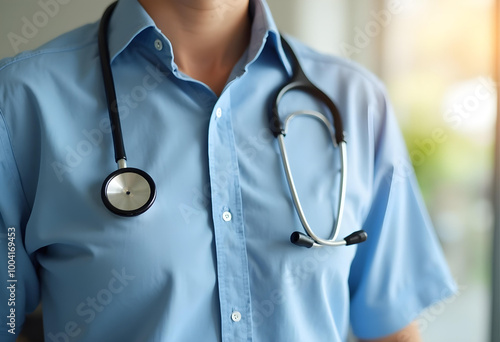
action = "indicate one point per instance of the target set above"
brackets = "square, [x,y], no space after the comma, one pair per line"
[184,271]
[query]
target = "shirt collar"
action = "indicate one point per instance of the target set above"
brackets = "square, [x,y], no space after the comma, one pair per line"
[263,29]
[130,19]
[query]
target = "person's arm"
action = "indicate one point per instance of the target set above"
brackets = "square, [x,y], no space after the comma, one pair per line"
[407,334]
[400,269]
[19,285]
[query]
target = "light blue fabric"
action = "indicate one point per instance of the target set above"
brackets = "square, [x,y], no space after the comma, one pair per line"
[179,271]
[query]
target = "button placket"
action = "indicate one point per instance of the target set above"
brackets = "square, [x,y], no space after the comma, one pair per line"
[232,271]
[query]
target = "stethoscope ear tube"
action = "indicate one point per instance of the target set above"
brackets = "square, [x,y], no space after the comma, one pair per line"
[300,82]
[311,239]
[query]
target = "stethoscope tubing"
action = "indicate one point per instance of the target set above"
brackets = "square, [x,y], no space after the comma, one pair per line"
[300,82]
[293,189]
[132,194]
[109,86]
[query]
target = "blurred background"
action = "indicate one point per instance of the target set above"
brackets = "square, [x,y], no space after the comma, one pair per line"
[436,58]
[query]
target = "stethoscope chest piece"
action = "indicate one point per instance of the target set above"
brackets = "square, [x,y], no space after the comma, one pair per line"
[128,192]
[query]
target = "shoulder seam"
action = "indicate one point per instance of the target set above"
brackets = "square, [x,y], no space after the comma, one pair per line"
[307,52]
[346,64]
[35,53]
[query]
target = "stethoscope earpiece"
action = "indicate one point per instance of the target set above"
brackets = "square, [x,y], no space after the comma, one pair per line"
[302,240]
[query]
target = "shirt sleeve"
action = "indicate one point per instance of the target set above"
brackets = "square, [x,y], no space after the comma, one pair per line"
[400,269]
[19,290]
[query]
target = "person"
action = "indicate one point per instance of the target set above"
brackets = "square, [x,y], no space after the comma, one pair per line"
[211,259]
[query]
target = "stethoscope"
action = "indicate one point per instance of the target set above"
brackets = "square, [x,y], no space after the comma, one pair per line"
[127,191]
[130,191]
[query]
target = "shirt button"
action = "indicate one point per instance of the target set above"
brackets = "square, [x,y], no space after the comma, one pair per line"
[236,316]
[226,216]
[158,45]
[218,113]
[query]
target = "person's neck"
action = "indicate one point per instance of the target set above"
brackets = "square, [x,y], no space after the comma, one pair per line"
[208,36]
